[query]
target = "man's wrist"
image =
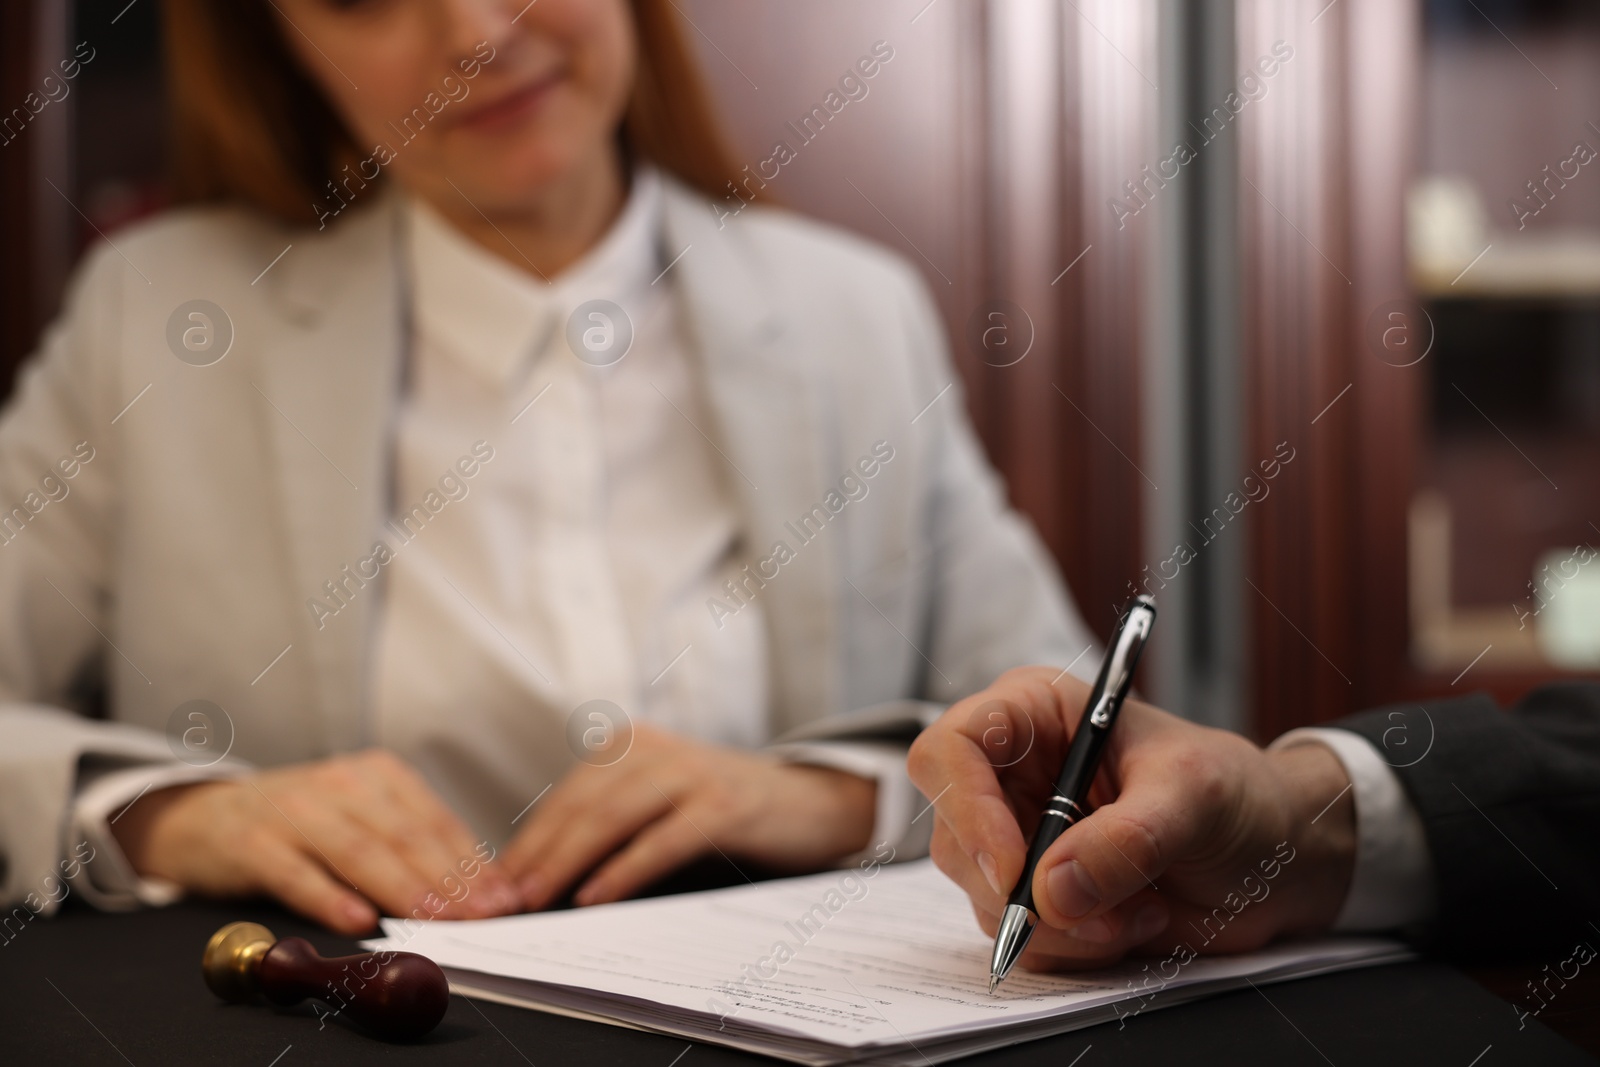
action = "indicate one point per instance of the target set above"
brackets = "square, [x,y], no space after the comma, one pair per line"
[1322,820]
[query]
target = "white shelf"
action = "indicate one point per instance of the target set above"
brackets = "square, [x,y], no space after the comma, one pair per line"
[1517,265]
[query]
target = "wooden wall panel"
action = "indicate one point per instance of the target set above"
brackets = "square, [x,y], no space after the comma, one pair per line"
[1297,290]
[17,325]
[37,226]
[1325,159]
[1382,69]
[903,165]
[986,154]
[1113,101]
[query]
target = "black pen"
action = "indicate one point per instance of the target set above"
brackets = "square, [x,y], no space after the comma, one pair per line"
[1072,784]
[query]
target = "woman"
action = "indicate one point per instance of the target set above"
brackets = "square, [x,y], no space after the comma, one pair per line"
[458,469]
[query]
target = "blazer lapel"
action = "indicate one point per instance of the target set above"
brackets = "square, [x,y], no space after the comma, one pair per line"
[326,387]
[766,401]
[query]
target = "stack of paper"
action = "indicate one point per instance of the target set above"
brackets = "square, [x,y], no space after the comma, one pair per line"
[833,968]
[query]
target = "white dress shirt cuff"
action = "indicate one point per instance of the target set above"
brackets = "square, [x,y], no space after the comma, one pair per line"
[900,821]
[1394,883]
[110,883]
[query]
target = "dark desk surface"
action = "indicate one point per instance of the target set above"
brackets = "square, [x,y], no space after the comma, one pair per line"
[89,988]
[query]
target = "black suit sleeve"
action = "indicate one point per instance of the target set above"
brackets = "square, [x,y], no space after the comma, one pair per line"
[1511,806]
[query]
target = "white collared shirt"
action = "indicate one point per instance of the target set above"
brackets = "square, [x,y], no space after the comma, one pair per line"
[578,564]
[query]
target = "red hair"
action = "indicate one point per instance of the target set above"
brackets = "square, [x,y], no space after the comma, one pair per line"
[251,127]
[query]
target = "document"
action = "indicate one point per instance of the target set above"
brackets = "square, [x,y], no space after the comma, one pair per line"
[882,966]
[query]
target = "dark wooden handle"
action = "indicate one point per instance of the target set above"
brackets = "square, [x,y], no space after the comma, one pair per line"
[394,994]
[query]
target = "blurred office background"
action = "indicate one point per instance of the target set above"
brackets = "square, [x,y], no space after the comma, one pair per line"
[1180,245]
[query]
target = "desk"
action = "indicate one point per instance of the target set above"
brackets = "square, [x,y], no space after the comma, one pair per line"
[90,988]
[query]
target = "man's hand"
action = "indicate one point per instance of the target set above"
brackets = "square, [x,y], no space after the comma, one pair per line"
[1197,836]
[333,840]
[670,801]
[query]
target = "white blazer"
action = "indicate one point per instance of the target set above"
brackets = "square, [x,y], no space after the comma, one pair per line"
[204,507]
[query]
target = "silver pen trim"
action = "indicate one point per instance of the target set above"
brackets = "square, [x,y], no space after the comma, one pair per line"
[1016,928]
[1057,806]
[1130,641]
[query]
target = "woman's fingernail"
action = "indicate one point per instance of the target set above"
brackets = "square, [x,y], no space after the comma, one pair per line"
[991,872]
[359,912]
[481,905]
[505,898]
[1071,889]
[1095,931]
[1151,920]
[531,887]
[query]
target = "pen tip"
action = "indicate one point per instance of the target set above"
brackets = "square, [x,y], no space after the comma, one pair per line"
[994,980]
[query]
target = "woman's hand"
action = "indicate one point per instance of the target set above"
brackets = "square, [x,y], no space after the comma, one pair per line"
[1197,837]
[669,801]
[333,840]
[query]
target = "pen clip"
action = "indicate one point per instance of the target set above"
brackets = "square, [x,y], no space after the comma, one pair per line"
[1129,641]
